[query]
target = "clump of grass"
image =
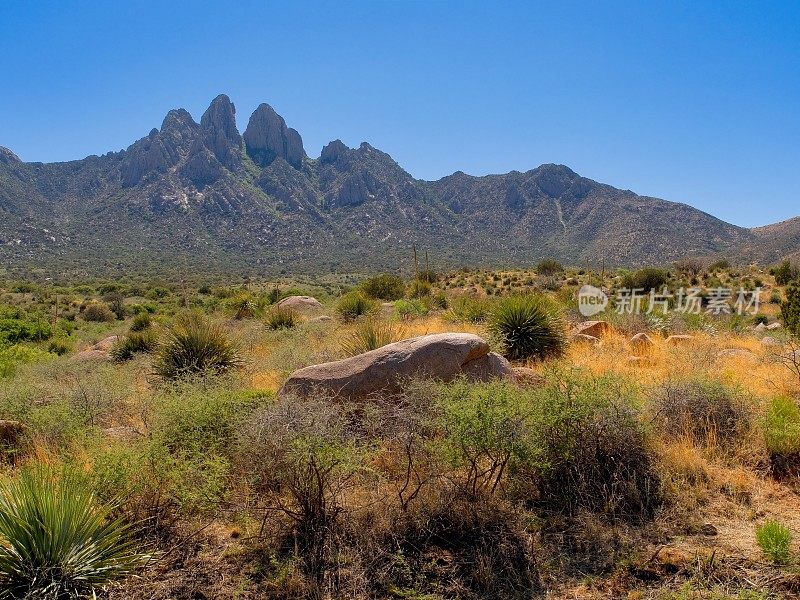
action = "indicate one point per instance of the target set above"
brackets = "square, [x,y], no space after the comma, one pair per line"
[775,541]
[134,343]
[782,435]
[467,308]
[355,304]
[384,287]
[282,318]
[528,327]
[195,346]
[98,312]
[141,322]
[58,541]
[408,309]
[370,335]
[420,289]
[59,346]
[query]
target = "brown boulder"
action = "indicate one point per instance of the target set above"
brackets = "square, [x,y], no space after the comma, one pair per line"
[442,356]
[578,338]
[106,344]
[92,354]
[642,344]
[525,376]
[596,329]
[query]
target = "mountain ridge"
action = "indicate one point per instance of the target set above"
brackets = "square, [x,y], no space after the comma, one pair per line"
[207,197]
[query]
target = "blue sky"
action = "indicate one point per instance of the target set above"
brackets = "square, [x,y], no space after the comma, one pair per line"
[696,102]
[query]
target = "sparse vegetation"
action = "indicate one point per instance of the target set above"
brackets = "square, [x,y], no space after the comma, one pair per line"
[282,318]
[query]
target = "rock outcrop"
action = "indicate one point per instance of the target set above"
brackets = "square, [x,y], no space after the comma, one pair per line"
[301,304]
[442,356]
[267,137]
[220,136]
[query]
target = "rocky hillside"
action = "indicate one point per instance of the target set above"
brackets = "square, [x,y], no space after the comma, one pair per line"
[203,196]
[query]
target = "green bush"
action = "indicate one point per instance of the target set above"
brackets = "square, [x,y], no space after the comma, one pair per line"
[406,309]
[135,342]
[58,541]
[281,318]
[781,427]
[59,346]
[646,279]
[13,356]
[98,312]
[775,541]
[14,330]
[195,346]
[790,308]
[528,327]
[785,273]
[420,289]
[354,304]
[548,267]
[467,308]
[141,322]
[383,287]
[370,335]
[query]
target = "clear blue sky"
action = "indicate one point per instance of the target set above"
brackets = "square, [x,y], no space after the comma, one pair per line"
[697,102]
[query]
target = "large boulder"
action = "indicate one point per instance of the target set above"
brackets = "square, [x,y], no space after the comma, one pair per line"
[301,304]
[596,329]
[442,356]
[99,351]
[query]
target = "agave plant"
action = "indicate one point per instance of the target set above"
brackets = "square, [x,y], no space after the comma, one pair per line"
[195,346]
[527,327]
[57,541]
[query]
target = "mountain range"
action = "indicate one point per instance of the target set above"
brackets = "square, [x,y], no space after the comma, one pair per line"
[203,197]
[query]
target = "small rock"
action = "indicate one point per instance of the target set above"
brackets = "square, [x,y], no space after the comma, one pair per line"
[761,327]
[106,344]
[596,329]
[320,319]
[92,354]
[708,529]
[770,341]
[774,326]
[737,353]
[578,338]
[642,344]
[674,340]
[527,377]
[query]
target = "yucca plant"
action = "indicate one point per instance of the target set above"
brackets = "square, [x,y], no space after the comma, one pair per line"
[527,327]
[354,304]
[57,541]
[370,335]
[282,318]
[195,346]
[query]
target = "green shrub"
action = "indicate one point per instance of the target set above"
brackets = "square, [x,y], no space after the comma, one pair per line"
[59,346]
[383,287]
[467,308]
[428,276]
[135,342]
[782,435]
[646,279]
[548,267]
[98,312]
[195,346]
[790,308]
[528,327]
[370,335]
[58,541]
[282,318]
[785,273]
[243,306]
[354,304]
[13,356]
[407,309]
[720,265]
[420,289]
[775,541]
[141,322]
[15,330]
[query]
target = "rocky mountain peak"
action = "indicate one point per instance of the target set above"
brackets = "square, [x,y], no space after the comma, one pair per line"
[220,135]
[178,119]
[267,137]
[333,151]
[7,156]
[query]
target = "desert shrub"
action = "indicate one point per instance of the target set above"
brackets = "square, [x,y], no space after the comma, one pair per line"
[300,458]
[116,303]
[719,265]
[549,267]
[782,435]
[242,306]
[282,318]
[775,541]
[195,346]
[647,279]
[58,541]
[785,273]
[98,312]
[420,289]
[760,319]
[355,304]
[439,300]
[384,287]
[370,335]
[790,308]
[13,356]
[689,267]
[467,308]
[141,322]
[15,330]
[549,283]
[428,276]
[134,343]
[528,327]
[407,309]
[706,411]
[59,346]
[594,451]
